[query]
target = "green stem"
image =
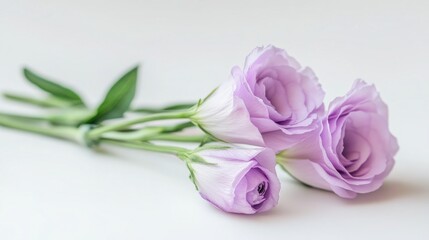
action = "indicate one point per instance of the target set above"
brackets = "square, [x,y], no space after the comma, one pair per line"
[98,132]
[23,117]
[141,134]
[67,133]
[146,133]
[178,138]
[49,103]
[148,110]
[73,134]
[177,127]
[173,107]
[147,146]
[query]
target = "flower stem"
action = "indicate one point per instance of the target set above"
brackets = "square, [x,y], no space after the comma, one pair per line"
[146,133]
[177,127]
[173,107]
[178,138]
[147,146]
[98,132]
[48,103]
[67,133]
[24,117]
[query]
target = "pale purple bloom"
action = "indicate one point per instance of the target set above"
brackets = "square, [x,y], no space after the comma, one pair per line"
[224,116]
[272,102]
[240,179]
[353,150]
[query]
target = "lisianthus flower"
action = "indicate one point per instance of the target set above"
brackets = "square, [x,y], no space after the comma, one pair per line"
[237,179]
[352,152]
[271,102]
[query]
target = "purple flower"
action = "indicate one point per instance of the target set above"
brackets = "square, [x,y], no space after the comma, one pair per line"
[272,102]
[240,179]
[353,150]
[224,116]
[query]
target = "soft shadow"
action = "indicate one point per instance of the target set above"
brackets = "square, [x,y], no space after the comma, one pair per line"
[392,190]
[298,200]
[275,214]
[163,164]
[295,199]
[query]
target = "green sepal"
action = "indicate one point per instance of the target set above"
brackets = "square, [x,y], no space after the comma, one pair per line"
[53,88]
[206,139]
[211,147]
[208,96]
[189,158]
[192,174]
[195,122]
[195,158]
[200,102]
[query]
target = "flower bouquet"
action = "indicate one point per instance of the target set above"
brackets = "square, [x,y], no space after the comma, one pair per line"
[270,112]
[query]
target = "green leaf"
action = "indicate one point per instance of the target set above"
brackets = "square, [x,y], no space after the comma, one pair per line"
[118,99]
[53,88]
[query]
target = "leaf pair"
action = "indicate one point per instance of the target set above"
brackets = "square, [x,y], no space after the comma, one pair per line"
[116,102]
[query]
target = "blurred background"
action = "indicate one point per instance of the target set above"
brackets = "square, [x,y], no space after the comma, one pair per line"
[186,48]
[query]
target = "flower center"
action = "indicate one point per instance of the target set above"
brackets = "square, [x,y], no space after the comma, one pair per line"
[261,188]
[257,195]
[257,187]
[356,149]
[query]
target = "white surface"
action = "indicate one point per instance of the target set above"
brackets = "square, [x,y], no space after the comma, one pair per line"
[56,190]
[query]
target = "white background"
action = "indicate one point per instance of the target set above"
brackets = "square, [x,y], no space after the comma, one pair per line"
[51,189]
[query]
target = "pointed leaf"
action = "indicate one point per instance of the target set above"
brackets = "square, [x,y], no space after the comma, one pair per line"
[118,99]
[53,88]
